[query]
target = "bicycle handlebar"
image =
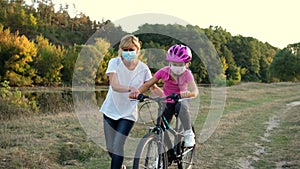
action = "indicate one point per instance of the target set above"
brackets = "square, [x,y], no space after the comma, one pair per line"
[173,96]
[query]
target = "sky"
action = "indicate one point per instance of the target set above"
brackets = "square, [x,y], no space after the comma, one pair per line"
[274,21]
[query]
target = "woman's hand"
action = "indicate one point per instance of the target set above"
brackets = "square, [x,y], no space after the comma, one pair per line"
[134,92]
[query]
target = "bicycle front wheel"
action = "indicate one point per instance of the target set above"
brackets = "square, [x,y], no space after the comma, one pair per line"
[148,154]
[187,156]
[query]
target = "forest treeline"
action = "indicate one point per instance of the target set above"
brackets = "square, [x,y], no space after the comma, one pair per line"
[40,46]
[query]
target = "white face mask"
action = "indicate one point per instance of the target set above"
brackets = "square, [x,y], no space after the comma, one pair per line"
[178,70]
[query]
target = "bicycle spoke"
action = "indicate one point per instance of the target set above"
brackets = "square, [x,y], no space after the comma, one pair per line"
[148,155]
[187,158]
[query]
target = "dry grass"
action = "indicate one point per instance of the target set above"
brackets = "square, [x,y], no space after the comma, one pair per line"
[244,138]
[53,141]
[237,142]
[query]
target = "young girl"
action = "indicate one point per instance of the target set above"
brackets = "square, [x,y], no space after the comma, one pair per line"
[179,80]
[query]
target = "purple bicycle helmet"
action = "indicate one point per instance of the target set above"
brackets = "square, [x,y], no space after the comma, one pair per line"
[179,53]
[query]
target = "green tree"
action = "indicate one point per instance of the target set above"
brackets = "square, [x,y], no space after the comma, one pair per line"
[33,22]
[220,39]
[247,54]
[154,55]
[285,66]
[88,62]
[101,77]
[68,62]
[268,53]
[16,55]
[205,64]
[102,46]
[48,62]
[233,73]
[3,12]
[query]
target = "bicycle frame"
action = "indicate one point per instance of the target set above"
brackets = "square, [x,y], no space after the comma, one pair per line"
[158,129]
[160,135]
[161,132]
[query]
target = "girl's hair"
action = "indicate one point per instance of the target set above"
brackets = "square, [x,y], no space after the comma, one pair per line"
[127,41]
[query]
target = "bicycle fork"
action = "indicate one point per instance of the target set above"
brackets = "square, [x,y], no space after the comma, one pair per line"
[160,149]
[160,136]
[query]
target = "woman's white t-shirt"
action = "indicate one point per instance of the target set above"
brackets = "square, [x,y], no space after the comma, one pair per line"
[117,105]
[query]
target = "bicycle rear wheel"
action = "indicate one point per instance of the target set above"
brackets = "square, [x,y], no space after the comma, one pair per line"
[186,155]
[147,154]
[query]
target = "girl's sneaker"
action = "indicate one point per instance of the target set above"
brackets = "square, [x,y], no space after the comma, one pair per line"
[189,138]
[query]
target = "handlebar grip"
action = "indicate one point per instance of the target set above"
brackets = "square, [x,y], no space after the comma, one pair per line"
[174,97]
[140,97]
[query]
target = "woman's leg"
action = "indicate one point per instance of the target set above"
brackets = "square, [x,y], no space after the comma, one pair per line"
[120,129]
[110,128]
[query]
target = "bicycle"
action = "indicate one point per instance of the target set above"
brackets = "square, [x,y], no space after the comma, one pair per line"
[156,150]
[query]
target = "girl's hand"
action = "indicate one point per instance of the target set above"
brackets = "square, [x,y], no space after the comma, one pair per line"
[186,94]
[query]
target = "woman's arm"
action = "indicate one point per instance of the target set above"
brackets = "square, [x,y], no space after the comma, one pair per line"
[116,86]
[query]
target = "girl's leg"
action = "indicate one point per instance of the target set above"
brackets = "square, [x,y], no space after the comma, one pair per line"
[184,114]
[169,111]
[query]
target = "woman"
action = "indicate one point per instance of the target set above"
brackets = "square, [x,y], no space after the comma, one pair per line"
[126,74]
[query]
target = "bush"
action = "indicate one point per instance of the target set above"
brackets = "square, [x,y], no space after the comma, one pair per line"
[14,103]
[9,110]
[220,80]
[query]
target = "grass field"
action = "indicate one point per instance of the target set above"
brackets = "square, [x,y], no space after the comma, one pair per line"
[259,128]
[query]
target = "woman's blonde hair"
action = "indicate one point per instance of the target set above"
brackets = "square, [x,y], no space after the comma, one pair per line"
[127,41]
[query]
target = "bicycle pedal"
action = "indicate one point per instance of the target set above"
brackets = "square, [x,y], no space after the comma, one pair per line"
[151,129]
[171,155]
[191,147]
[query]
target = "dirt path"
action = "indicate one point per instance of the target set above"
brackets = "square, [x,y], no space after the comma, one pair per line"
[273,123]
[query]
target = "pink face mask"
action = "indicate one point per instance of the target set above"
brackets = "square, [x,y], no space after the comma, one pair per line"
[178,70]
